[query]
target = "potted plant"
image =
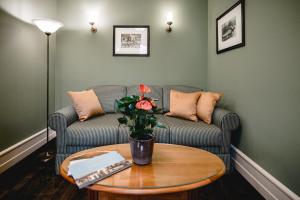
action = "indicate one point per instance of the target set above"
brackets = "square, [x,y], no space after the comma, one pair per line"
[138,115]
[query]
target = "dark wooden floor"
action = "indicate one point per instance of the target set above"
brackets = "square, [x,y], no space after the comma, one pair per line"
[33,180]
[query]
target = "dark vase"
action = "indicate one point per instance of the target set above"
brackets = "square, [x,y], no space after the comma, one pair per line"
[141,150]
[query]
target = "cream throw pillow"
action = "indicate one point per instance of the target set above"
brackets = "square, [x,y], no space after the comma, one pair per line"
[206,105]
[183,105]
[86,104]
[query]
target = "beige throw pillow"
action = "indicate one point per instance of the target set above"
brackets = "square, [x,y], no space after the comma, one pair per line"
[86,104]
[183,105]
[206,105]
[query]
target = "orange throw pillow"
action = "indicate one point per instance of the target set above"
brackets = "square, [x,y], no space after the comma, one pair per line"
[206,105]
[183,105]
[86,104]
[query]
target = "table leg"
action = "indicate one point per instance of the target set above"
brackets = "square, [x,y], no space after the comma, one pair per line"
[109,196]
[93,195]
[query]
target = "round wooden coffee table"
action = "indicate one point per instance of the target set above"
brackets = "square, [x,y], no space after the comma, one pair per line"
[174,170]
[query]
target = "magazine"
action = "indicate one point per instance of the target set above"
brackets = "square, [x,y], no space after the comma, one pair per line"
[90,170]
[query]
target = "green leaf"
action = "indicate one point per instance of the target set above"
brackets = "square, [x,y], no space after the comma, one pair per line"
[160,125]
[123,120]
[156,110]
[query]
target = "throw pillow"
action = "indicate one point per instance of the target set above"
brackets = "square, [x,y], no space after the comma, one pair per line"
[86,104]
[206,105]
[183,105]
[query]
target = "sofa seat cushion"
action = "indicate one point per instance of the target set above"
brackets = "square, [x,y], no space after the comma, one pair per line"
[195,134]
[162,135]
[98,131]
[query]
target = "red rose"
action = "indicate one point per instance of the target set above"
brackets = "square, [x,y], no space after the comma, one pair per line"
[143,105]
[144,89]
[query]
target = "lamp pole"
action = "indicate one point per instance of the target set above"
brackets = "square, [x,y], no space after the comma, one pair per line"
[48,156]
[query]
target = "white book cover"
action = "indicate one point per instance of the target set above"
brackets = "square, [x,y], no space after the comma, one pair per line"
[90,170]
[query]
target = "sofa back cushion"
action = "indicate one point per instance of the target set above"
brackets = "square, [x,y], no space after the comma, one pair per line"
[156,93]
[181,88]
[107,94]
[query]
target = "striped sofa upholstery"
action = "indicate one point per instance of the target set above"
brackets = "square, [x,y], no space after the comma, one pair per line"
[73,135]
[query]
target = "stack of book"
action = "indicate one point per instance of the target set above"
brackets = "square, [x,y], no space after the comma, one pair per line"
[87,171]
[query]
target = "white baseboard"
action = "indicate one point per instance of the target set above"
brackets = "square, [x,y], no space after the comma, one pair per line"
[267,185]
[22,149]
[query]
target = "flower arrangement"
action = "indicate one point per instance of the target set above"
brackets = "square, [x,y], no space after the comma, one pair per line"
[138,114]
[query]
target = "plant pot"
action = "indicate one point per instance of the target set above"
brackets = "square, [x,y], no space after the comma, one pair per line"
[141,150]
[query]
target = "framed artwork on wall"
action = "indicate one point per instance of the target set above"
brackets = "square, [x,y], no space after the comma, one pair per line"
[230,28]
[131,40]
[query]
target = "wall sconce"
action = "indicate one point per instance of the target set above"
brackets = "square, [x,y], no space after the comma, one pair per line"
[93,27]
[169,21]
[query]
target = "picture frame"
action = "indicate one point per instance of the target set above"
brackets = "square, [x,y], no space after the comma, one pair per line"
[230,28]
[131,40]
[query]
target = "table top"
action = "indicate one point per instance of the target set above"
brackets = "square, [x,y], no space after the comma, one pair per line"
[174,168]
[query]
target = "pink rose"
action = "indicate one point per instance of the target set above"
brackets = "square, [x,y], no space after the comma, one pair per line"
[144,89]
[143,105]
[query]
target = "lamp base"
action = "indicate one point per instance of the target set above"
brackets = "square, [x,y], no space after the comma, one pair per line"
[47,157]
[47,152]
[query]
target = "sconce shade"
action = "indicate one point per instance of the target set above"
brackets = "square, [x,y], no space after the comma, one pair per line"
[169,21]
[47,25]
[170,17]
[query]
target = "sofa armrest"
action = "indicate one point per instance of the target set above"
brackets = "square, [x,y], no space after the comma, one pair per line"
[59,121]
[225,119]
[62,118]
[228,122]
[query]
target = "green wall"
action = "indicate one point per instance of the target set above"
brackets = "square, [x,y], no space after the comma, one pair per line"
[261,83]
[23,70]
[85,59]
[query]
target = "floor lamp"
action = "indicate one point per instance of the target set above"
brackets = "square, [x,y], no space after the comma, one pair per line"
[48,26]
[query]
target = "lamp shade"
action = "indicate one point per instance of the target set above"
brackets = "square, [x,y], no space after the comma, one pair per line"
[47,25]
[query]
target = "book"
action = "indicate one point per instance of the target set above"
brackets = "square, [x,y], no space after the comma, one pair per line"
[87,171]
[102,173]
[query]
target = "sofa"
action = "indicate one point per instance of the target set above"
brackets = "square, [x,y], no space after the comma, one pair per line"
[73,135]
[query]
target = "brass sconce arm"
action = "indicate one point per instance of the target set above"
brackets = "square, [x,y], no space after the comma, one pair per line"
[169,29]
[93,27]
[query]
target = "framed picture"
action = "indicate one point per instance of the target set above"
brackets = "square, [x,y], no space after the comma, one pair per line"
[131,40]
[230,28]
